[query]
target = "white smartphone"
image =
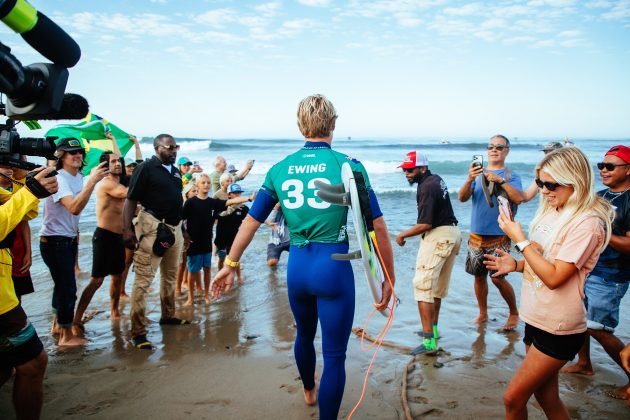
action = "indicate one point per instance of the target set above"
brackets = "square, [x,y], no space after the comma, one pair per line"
[505,205]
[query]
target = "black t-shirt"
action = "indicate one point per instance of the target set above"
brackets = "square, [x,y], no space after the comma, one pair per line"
[434,202]
[227,227]
[157,190]
[612,264]
[199,216]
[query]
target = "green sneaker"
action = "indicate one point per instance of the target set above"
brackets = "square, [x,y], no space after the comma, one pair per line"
[428,346]
[436,335]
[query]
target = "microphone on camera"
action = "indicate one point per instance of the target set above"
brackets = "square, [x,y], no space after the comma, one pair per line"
[40,32]
[73,107]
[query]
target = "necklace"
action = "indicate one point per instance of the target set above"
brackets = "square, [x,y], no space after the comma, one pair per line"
[614,195]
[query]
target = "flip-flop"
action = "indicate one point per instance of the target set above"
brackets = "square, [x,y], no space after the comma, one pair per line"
[173,321]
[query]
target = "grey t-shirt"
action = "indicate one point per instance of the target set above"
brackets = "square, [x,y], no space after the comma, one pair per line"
[58,221]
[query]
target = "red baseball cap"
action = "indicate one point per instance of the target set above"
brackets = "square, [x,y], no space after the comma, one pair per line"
[621,152]
[414,159]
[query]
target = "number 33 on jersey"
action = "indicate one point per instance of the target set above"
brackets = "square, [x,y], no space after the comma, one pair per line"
[292,182]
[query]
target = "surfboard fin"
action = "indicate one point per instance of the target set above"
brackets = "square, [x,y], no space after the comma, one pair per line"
[356,255]
[331,195]
[333,188]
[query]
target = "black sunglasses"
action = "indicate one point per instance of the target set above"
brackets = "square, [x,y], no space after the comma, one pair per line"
[170,146]
[408,170]
[74,152]
[498,147]
[609,166]
[551,186]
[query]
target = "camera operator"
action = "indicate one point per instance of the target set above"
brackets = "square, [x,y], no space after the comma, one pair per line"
[58,237]
[20,347]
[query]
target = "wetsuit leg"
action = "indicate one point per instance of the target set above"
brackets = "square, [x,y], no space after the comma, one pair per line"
[320,287]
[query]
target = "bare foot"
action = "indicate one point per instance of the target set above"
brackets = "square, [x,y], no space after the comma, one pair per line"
[188,303]
[480,319]
[619,393]
[115,314]
[240,281]
[579,369]
[78,330]
[511,323]
[310,396]
[68,339]
[124,295]
[207,300]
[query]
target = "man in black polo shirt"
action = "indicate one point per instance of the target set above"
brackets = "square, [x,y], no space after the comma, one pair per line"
[157,185]
[441,240]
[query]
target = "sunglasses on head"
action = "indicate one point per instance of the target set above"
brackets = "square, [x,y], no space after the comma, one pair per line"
[609,166]
[170,146]
[551,186]
[498,147]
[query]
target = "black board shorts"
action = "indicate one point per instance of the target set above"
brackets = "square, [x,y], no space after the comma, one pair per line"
[19,342]
[561,347]
[108,253]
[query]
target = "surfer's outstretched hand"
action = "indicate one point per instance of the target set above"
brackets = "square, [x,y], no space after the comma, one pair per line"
[387,294]
[222,282]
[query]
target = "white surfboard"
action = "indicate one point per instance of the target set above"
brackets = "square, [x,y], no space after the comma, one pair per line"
[352,197]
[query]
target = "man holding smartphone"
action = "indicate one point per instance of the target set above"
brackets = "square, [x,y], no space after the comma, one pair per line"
[485,234]
[441,239]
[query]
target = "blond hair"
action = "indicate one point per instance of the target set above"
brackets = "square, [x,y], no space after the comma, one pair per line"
[570,166]
[316,117]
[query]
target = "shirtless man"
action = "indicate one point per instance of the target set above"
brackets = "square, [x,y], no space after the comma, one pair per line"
[107,245]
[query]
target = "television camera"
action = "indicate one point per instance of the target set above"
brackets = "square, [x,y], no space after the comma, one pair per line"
[36,91]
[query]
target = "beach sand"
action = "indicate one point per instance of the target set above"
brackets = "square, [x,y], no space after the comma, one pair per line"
[236,360]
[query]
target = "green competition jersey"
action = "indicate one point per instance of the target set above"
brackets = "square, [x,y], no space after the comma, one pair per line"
[292,183]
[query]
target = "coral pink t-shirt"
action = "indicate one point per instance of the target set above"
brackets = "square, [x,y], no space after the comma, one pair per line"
[561,311]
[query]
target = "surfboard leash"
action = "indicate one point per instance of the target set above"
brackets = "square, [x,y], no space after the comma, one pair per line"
[378,341]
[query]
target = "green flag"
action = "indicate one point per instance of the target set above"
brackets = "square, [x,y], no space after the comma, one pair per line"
[91,131]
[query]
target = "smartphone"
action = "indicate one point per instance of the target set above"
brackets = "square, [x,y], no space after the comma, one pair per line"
[196,163]
[105,158]
[477,160]
[505,205]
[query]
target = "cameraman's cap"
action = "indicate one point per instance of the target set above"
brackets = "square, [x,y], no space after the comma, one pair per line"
[183,161]
[552,145]
[231,169]
[414,159]
[234,188]
[621,152]
[69,144]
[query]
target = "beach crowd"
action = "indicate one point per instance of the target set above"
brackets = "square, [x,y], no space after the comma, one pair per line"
[166,214]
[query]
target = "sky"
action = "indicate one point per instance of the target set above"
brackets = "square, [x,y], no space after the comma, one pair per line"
[393,68]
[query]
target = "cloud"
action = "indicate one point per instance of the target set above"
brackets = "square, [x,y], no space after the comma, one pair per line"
[216,17]
[620,11]
[470,9]
[269,9]
[314,3]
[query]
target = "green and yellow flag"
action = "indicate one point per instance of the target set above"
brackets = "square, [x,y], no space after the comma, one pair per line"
[91,131]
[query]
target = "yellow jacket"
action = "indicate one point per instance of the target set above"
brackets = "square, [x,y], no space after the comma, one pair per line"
[15,207]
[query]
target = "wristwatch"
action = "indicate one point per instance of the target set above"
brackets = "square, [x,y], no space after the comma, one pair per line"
[502,181]
[522,245]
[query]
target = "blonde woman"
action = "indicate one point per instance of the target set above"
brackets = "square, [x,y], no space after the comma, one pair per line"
[570,229]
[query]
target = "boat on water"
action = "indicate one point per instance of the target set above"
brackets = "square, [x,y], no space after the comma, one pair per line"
[567,142]
[444,141]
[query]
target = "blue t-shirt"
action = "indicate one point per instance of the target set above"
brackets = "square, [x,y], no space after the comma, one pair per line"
[483,218]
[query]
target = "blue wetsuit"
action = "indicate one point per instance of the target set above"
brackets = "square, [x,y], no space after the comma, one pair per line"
[319,287]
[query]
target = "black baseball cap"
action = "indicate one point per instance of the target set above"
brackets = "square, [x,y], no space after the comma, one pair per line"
[69,144]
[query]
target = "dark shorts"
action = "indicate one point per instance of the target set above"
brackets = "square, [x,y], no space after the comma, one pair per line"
[274,251]
[19,342]
[23,285]
[561,347]
[479,245]
[108,253]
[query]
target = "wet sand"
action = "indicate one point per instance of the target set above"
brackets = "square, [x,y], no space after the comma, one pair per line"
[236,360]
